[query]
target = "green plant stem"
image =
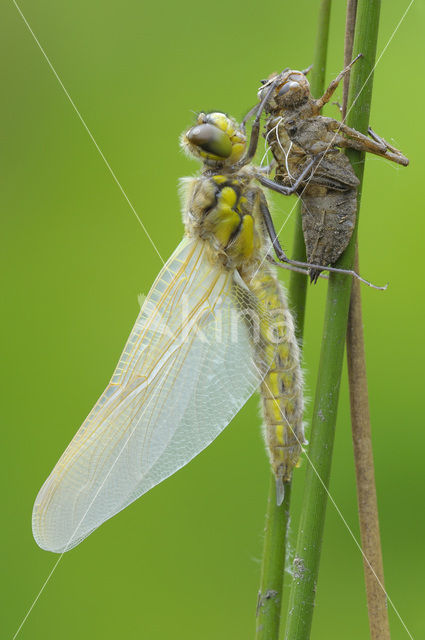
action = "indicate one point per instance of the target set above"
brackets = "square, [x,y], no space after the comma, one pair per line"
[273,564]
[298,282]
[277,518]
[307,556]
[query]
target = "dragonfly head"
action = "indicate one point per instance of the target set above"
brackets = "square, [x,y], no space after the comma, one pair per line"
[291,89]
[216,139]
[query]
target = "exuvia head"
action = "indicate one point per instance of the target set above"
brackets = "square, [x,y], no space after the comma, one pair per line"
[216,139]
[291,89]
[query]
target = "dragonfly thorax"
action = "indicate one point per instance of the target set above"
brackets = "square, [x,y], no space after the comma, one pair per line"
[222,209]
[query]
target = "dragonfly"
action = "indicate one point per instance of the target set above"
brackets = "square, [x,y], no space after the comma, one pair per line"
[214,328]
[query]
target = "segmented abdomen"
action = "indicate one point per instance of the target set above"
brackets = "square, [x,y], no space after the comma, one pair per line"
[282,387]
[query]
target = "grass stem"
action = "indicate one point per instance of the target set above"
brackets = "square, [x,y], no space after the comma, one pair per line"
[273,564]
[298,282]
[309,543]
[277,518]
[360,422]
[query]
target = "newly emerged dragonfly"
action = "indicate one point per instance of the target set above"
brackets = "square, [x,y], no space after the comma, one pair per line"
[214,328]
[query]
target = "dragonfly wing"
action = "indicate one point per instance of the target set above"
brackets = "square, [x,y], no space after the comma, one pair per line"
[188,367]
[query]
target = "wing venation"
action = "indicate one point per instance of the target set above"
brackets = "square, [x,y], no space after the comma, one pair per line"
[188,366]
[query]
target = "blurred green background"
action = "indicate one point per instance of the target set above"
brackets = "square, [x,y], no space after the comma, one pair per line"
[183,562]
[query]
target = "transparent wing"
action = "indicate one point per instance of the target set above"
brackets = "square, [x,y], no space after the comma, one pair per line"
[188,367]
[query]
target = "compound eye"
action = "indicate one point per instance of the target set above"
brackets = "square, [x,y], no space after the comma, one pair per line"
[210,139]
[287,87]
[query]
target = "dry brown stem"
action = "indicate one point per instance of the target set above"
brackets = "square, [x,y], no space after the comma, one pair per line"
[361,428]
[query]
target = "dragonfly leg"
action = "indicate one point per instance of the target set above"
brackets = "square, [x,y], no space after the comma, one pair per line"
[281,255]
[388,147]
[255,131]
[320,102]
[375,144]
[291,267]
[249,115]
[287,191]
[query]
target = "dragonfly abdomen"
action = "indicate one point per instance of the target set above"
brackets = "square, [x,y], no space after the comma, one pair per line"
[282,387]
